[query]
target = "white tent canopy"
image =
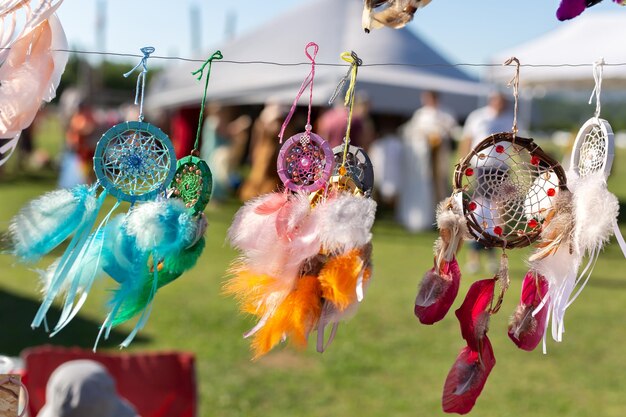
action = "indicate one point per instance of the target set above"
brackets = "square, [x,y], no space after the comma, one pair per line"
[583,40]
[335,25]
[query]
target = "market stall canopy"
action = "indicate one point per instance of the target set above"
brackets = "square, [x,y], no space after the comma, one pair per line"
[583,40]
[335,25]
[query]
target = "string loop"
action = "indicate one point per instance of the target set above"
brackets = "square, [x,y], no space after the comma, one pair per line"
[598,68]
[308,82]
[141,78]
[355,62]
[200,71]
[515,82]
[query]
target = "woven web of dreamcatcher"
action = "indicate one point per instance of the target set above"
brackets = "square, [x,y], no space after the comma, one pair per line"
[592,152]
[305,162]
[136,162]
[358,166]
[507,193]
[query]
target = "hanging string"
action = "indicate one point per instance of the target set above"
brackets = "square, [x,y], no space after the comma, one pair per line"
[308,82]
[141,78]
[200,71]
[355,62]
[598,67]
[515,82]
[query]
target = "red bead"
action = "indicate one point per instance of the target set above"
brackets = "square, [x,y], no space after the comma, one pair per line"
[499,148]
[472,206]
[551,192]
[497,230]
[532,223]
[534,160]
[469,172]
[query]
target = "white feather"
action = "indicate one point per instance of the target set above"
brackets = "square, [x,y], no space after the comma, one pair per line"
[345,222]
[595,209]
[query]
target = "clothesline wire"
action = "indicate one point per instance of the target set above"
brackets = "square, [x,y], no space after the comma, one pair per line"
[325,64]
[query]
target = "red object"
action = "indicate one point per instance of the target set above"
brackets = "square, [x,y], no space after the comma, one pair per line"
[467,378]
[532,223]
[525,329]
[499,148]
[157,384]
[497,230]
[551,192]
[534,160]
[472,206]
[183,126]
[469,172]
[432,313]
[473,314]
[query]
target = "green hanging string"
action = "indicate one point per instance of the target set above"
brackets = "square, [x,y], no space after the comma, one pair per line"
[216,55]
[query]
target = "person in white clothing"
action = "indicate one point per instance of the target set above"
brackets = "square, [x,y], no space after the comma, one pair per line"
[427,142]
[496,117]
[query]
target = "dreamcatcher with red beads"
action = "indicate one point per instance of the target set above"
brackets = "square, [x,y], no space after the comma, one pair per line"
[507,193]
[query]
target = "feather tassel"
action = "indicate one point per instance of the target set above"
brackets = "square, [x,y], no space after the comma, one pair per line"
[49,220]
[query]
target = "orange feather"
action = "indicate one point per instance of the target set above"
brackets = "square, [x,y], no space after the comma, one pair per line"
[295,317]
[339,278]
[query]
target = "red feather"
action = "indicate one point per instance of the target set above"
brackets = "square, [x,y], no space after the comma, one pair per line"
[467,378]
[443,287]
[473,314]
[526,330]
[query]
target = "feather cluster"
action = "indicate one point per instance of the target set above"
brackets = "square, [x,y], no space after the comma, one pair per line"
[29,69]
[440,285]
[142,250]
[391,13]
[302,267]
[580,224]
[569,9]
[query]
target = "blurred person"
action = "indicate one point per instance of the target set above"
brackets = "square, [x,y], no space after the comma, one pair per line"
[427,141]
[222,137]
[80,145]
[495,117]
[436,125]
[333,123]
[84,388]
[385,152]
[264,149]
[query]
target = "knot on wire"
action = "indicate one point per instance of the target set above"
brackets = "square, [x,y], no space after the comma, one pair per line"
[312,56]
[141,78]
[515,83]
[209,61]
[598,68]
[355,62]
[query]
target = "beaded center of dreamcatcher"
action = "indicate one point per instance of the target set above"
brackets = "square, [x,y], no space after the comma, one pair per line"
[304,162]
[134,161]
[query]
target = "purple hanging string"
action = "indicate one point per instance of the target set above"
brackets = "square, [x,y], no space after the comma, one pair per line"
[308,82]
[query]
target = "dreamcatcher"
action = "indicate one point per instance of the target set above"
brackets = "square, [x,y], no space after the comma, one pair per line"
[391,13]
[134,162]
[585,220]
[32,61]
[305,251]
[508,192]
[569,9]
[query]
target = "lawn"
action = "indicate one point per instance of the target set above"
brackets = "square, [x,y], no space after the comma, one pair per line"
[382,363]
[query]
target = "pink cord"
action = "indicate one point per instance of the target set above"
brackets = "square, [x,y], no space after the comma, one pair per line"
[308,82]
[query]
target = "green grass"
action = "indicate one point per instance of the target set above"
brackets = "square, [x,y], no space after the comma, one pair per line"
[382,363]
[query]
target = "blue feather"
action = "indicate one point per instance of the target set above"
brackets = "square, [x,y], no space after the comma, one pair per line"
[46,222]
[165,227]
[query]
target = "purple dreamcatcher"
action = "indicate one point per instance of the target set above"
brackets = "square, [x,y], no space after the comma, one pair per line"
[305,160]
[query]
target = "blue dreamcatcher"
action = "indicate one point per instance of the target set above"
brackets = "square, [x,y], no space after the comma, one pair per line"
[134,162]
